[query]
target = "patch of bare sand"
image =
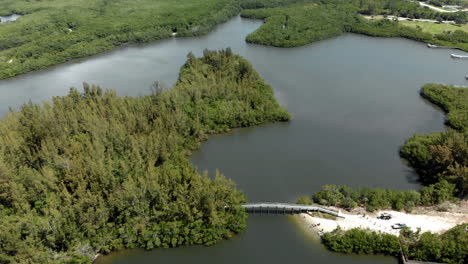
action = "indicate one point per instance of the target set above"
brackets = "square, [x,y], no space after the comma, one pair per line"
[425,218]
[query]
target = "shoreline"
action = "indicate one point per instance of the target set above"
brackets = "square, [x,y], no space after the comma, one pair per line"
[428,221]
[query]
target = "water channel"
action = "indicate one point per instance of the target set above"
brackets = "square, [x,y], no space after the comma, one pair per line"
[354,100]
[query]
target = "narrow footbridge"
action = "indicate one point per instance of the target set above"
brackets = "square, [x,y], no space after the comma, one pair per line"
[286,208]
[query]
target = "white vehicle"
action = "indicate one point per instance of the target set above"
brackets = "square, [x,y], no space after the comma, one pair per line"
[399,226]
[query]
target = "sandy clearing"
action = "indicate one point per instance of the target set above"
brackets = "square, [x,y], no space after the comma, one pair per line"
[433,221]
[408,19]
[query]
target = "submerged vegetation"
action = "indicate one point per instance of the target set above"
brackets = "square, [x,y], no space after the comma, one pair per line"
[92,172]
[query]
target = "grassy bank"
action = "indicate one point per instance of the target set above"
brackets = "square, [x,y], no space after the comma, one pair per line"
[434,28]
[92,171]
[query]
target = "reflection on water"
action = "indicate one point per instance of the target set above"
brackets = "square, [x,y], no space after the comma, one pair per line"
[354,100]
[268,239]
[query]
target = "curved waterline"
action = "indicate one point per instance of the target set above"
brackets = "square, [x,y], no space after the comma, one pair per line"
[354,100]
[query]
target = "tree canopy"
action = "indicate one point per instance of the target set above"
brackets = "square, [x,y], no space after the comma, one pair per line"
[443,156]
[376,198]
[92,171]
[291,23]
[56,31]
[450,247]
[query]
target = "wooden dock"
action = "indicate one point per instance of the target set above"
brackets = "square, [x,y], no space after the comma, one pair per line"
[286,208]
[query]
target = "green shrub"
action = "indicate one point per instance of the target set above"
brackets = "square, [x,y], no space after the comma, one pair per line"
[371,199]
[93,171]
[361,241]
[443,156]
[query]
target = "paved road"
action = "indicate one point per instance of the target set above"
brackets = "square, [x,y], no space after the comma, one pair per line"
[436,8]
[420,20]
[413,19]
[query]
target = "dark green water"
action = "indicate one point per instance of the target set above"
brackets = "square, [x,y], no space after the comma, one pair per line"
[354,100]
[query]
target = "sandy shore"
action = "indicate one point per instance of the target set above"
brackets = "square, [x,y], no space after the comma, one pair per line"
[433,221]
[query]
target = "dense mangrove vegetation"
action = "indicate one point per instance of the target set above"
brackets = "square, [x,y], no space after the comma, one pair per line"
[453,100]
[56,31]
[441,160]
[304,22]
[450,247]
[92,172]
[376,198]
[443,156]
[361,241]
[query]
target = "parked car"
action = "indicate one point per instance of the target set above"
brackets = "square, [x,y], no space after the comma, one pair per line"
[385,216]
[399,226]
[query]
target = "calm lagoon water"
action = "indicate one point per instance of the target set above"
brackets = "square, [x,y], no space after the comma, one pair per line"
[354,100]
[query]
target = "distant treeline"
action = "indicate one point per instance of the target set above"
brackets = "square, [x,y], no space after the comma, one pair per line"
[450,247]
[302,22]
[297,25]
[56,31]
[92,171]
